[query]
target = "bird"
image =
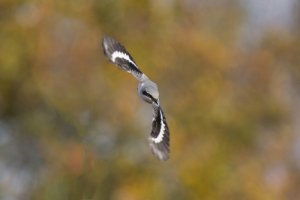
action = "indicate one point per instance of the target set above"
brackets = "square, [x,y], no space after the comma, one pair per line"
[159,138]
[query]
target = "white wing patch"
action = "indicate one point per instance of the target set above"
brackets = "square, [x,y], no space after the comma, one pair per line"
[118,54]
[160,136]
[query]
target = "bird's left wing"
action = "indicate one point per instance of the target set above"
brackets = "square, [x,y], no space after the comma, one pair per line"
[118,55]
[160,137]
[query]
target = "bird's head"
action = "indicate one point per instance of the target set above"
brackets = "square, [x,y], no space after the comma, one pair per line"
[149,92]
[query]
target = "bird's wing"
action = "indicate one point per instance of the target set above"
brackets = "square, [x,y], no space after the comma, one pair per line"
[118,55]
[159,138]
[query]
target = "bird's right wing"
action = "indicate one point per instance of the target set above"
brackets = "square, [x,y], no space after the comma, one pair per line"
[118,55]
[160,137]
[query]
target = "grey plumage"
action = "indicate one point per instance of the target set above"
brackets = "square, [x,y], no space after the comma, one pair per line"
[147,90]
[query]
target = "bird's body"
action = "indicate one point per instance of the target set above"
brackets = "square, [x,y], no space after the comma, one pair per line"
[147,90]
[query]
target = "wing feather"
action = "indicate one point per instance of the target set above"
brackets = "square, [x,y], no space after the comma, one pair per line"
[160,137]
[118,55]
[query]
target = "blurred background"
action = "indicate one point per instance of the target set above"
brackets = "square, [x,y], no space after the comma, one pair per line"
[73,127]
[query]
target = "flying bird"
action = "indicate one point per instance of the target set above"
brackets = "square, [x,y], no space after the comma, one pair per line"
[159,138]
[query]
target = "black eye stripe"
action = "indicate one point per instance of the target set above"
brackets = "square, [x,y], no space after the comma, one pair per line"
[149,95]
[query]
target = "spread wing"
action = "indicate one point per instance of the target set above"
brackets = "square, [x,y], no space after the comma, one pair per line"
[118,55]
[159,138]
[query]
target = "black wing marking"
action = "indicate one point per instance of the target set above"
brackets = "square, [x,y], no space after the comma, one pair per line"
[160,136]
[118,55]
